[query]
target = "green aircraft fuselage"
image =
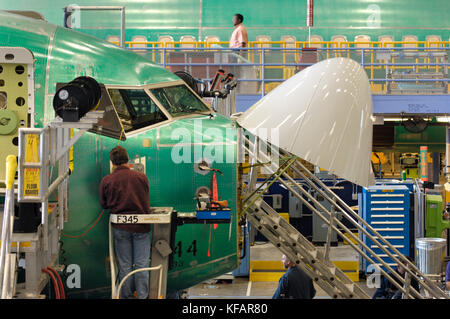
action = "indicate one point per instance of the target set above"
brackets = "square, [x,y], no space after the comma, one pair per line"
[200,251]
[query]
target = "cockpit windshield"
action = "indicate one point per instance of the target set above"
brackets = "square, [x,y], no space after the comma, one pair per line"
[179,100]
[135,108]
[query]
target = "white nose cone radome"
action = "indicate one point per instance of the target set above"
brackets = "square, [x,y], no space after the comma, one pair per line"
[323,115]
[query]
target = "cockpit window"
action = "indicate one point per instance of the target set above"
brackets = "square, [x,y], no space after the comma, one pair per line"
[135,108]
[179,100]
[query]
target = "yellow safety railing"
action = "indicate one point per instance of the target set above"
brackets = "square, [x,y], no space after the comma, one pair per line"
[298,44]
[209,44]
[335,49]
[11,167]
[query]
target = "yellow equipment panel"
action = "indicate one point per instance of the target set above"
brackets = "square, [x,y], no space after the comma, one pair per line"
[16,98]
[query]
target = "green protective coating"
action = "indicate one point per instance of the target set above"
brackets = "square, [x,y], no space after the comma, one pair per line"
[200,251]
[200,18]
[434,223]
[63,54]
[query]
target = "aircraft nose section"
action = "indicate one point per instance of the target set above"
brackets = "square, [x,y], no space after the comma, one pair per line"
[323,115]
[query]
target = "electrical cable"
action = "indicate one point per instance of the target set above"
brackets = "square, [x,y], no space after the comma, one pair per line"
[62,254]
[53,279]
[117,294]
[60,283]
[120,137]
[63,260]
[88,230]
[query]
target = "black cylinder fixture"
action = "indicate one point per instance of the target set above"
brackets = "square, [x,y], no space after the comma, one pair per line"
[75,99]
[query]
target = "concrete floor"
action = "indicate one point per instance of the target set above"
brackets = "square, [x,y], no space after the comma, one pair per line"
[242,288]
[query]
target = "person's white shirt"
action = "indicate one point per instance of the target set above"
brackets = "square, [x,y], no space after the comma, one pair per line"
[239,37]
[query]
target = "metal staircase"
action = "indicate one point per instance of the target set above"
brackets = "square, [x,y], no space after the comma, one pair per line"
[41,150]
[301,251]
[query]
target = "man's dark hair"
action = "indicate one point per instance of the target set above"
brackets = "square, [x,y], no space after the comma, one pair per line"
[118,156]
[240,17]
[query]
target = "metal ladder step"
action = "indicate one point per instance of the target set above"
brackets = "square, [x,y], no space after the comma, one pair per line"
[286,238]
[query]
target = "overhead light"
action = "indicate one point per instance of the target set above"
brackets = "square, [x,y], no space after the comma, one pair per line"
[393,119]
[439,119]
[377,119]
[443,119]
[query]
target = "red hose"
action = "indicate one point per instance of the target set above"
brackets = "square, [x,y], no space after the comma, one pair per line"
[55,283]
[61,287]
[87,231]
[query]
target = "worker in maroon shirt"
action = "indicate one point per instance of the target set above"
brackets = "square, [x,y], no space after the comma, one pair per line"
[126,191]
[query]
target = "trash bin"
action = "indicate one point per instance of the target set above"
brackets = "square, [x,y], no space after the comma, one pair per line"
[430,255]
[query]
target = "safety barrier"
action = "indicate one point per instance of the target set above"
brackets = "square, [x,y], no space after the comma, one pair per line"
[7,258]
[424,69]
[284,44]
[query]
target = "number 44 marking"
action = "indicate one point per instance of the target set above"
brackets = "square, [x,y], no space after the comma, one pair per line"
[192,249]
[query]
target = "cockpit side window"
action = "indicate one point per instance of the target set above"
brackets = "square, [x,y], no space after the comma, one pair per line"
[121,109]
[135,108]
[179,100]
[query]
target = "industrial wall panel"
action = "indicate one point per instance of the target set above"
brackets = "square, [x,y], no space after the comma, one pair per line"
[152,18]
